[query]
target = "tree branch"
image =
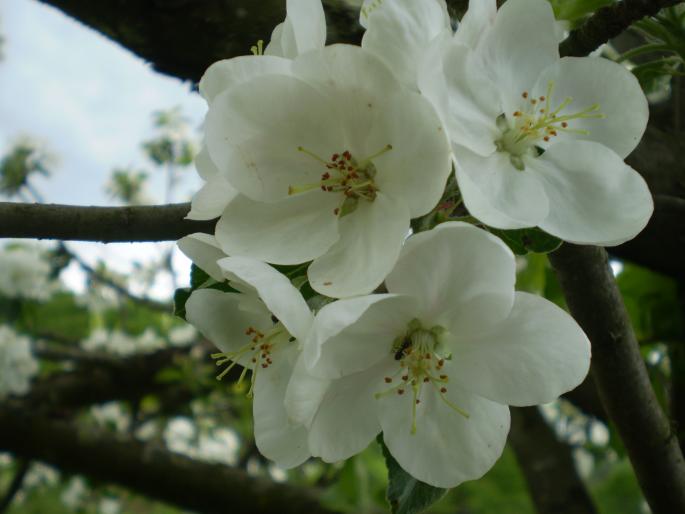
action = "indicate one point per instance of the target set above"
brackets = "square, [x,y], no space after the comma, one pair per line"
[102,224]
[621,376]
[609,22]
[548,466]
[150,470]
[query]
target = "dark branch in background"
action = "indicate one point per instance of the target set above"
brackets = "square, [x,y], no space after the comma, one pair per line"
[548,466]
[621,376]
[150,470]
[15,486]
[103,224]
[608,22]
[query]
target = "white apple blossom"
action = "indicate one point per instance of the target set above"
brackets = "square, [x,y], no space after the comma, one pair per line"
[304,29]
[17,363]
[24,273]
[539,140]
[435,363]
[331,163]
[259,329]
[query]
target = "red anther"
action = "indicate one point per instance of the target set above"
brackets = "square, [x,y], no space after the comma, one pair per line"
[443,390]
[330,166]
[347,155]
[354,174]
[336,211]
[525,94]
[546,138]
[534,101]
[350,168]
[443,377]
[428,356]
[418,401]
[542,98]
[263,356]
[254,360]
[441,362]
[264,366]
[388,380]
[325,176]
[335,157]
[269,361]
[554,132]
[542,111]
[344,182]
[323,188]
[329,188]
[426,380]
[249,331]
[517,114]
[564,124]
[400,391]
[405,377]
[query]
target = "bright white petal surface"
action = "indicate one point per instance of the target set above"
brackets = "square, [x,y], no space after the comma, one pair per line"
[473,101]
[447,448]
[304,29]
[347,421]
[295,230]
[477,20]
[596,198]
[225,74]
[350,335]
[204,165]
[217,316]
[514,194]
[276,291]
[304,393]
[462,277]
[204,251]
[514,60]
[211,200]
[370,241]
[254,133]
[399,32]
[276,436]
[417,167]
[481,207]
[616,91]
[538,353]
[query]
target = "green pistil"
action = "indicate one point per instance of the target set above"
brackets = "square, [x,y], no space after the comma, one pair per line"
[344,174]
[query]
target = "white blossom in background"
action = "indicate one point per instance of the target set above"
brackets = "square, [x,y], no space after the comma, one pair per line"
[74,494]
[109,506]
[24,273]
[259,328]
[17,363]
[435,364]
[122,344]
[539,140]
[331,162]
[112,415]
[182,335]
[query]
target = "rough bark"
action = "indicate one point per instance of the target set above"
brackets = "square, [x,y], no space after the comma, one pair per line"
[621,376]
[148,469]
[548,466]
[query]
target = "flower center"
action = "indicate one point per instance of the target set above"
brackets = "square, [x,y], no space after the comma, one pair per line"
[345,174]
[538,121]
[421,358]
[259,350]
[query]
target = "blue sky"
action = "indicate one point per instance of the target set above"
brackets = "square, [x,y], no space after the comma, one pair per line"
[90,102]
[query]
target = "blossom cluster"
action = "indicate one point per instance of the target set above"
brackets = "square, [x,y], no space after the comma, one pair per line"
[317,157]
[17,363]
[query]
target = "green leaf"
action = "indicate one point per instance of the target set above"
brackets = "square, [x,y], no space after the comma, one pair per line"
[572,10]
[527,240]
[406,494]
[180,298]
[198,277]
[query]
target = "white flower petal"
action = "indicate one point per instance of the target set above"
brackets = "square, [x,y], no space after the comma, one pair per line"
[513,194]
[520,45]
[399,32]
[276,291]
[447,448]
[276,437]
[304,29]
[304,393]
[211,200]
[462,277]
[369,244]
[346,421]
[295,230]
[478,19]
[594,80]
[350,335]
[417,167]
[595,197]
[204,251]
[538,353]
[254,132]
[473,103]
[217,315]
[204,165]
[227,73]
